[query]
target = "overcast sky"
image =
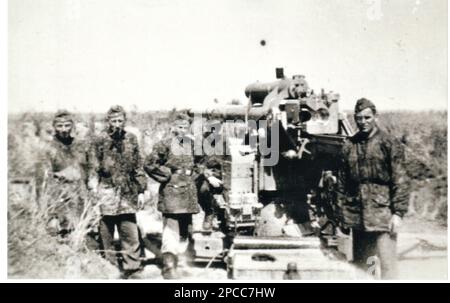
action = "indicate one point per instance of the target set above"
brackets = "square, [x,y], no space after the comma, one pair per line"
[86,55]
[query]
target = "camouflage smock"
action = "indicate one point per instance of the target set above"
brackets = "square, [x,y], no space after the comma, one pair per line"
[175,172]
[62,171]
[371,184]
[120,174]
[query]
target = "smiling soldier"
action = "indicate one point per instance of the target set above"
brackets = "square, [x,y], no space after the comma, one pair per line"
[372,194]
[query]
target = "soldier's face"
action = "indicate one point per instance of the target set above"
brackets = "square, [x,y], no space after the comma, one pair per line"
[63,129]
[181,129]
[366,120]
[117,123]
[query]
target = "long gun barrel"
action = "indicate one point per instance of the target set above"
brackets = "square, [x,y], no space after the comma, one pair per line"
[288,100]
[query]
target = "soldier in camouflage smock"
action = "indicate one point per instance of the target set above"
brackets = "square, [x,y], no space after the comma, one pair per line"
[371,190]
[62,172]
[171,163]
[120,181]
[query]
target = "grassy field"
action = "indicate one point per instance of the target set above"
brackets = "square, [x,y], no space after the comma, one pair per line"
[32,253]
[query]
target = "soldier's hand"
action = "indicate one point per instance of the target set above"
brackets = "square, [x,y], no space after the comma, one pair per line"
[246,150]
[395,224]
[93,185]
[141,201]
[315,224]
[290,154]
[207,173]
[215,182]
[71,174]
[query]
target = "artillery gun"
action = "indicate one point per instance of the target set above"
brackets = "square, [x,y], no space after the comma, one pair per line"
[277,208]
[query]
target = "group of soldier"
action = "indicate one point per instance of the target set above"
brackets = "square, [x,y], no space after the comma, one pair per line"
[110,169]
[371,192]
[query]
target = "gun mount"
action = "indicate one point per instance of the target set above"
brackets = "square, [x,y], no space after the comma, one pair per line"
[277,206]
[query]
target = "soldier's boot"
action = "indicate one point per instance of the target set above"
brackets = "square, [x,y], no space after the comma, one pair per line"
[291,272]
[169,270]
[208,221]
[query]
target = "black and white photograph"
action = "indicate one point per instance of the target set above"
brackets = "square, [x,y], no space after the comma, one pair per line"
[214,141]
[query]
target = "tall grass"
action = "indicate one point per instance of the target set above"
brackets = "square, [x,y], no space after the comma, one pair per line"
[33,253]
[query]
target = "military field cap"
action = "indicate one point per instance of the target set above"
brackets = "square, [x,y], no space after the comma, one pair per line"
[364,103]
[115,111]
[213,123]
[182,119]
[62,116]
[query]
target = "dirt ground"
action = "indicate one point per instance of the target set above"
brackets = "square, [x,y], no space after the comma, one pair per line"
[422,250]
[422,253]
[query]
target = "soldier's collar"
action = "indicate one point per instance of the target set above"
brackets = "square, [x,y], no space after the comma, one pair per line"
[116,136]
[363,137]
[184,138]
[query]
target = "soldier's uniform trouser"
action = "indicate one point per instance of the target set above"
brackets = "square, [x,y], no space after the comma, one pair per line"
[175,236]
[129,239]
[366,245]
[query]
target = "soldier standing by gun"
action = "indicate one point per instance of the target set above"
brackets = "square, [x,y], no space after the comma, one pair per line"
[62,173]
[119,183]
[371,192]
[171,163]
[209,166]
